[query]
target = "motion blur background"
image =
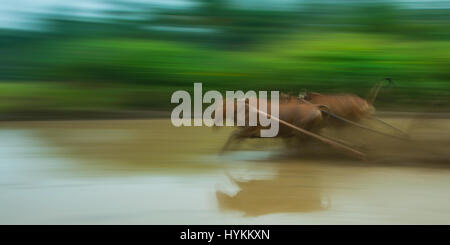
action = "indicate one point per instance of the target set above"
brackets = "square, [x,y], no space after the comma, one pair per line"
[97,57]
[123,59]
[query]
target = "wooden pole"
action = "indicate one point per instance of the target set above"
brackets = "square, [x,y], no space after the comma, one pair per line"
[357,153]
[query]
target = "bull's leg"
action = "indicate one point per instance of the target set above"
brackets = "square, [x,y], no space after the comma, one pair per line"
[373,93]
[240,134]
[312,123]
[235,136]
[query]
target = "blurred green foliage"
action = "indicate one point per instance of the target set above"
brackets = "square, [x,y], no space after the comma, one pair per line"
[86,66]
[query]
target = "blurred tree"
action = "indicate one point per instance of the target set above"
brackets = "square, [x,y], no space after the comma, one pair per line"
[226,25]
[378,17]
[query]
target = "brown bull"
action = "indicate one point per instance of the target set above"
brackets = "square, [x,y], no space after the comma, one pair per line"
[296,120]
[348,106]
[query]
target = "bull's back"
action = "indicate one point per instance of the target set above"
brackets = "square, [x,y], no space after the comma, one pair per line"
[346,105]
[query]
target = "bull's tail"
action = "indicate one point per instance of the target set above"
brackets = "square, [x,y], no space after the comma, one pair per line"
[373,93]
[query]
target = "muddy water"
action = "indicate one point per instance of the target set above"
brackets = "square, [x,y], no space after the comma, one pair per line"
[148,172]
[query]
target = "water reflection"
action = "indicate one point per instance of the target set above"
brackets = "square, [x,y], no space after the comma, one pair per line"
[293,189]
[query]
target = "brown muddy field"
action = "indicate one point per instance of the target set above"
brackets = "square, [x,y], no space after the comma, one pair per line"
[149,172]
